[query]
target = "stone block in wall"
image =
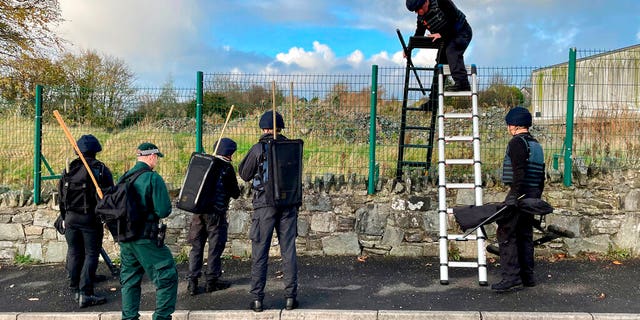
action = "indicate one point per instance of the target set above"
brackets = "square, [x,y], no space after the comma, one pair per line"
[627,236]
[341,244]
[11,232]
[370,220]
[9,249]
[323,222]
[239,221]
[407,251]
[430,222]
[178,219]
[34,250]
[610,225]
[22,217]
[597,243]
[50,234]
[33,231]
[303,226]
[632,200]
[44,217]
[55,252]
[240,248]
[409,219]
[565,220]
[317,202]
[346,224]
[392,236]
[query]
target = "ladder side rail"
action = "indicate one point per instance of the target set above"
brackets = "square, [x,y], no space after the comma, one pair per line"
[442,190]
[403,121]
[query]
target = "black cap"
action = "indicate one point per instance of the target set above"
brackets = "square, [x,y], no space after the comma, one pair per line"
[89,144]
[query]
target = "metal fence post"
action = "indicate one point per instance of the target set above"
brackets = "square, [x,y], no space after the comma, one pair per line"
[568,142]
[37,146]
[199,98]
[372,131]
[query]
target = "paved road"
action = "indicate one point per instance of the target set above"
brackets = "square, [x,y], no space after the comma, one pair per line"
[344,283]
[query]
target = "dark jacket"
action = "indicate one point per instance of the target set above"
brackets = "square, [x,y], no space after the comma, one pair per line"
[152,192]
[225,186]
[102,174]
[443,17]
[249,168]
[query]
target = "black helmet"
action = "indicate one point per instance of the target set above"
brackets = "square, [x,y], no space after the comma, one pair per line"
[89,144]
[266,120]
[413,5]
[519,116]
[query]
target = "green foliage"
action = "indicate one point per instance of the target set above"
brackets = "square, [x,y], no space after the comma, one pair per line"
[618,253]
[181,258]
[24,260]
[454,253]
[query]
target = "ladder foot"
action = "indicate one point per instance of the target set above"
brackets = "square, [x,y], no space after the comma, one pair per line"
[444,282]
[483,283]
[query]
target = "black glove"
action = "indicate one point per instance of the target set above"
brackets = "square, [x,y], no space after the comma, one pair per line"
[59,224]
[511,201]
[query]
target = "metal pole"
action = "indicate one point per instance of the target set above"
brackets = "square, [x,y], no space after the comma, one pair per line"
[372,130]
[571,84]
[37,146]
[199,101]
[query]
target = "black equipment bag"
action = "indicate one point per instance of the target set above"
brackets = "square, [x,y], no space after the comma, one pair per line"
[197,183]
[120,210]
[472,216]
[77,192]
[282,176]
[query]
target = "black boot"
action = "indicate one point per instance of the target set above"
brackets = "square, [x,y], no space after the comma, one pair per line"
[291,303]
[90,300]
[192,287]
[216,285]
[507,285]
[256,305]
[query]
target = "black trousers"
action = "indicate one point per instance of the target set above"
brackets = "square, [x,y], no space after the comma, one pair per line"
[83,250]
[453,54]
[212,228]
[285,223]
[515,237]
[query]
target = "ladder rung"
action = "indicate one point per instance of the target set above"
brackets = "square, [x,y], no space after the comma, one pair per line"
[450,210]
[463,264]
[460,186]
[458,237]
[413,163]
[458,161]
[458,115]
[417,128]
[447,71]
[414,109]
[457,93]
[418,146]
[458,139]
[422,68]
[419,89]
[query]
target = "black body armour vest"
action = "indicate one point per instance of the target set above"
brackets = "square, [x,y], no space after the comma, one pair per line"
[534,176]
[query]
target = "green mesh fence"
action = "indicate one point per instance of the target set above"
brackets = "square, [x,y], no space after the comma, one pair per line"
[331,114]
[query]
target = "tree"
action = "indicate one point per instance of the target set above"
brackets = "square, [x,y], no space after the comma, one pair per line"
[26,29]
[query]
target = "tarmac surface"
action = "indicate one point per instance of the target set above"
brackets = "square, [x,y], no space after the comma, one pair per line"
[347,284]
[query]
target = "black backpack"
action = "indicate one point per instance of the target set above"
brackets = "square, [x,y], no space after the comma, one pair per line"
[77,191]
[120,210]
[281,172]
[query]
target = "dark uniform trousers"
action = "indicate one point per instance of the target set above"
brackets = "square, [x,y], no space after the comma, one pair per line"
[212,228]
[83,249]
[142,256]
[515,237]
[454,49]
[263,222]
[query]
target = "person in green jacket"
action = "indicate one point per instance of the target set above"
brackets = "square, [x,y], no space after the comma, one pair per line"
[146,254]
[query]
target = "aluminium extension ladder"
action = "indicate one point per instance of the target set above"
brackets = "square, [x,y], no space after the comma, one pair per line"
[470,119]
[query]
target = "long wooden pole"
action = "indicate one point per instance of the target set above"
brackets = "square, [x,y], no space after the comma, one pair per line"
[75,147]
[273,92]
[223,128]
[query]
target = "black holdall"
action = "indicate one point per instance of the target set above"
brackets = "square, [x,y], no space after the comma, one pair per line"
[118,208]
[198,182]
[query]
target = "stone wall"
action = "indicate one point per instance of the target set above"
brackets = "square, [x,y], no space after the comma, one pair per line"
[339,218]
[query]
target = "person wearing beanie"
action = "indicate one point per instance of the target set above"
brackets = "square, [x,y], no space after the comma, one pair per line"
[524,173]
[83,230]
[267,217]
[212,225]
[445,21]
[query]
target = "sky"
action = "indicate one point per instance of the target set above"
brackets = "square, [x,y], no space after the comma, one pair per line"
[168,41]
